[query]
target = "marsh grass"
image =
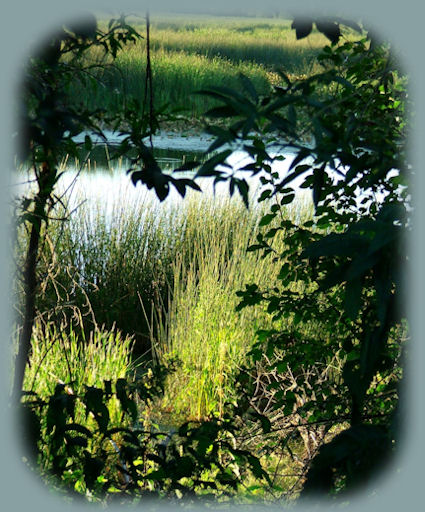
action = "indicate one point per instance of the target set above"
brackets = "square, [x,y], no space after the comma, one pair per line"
[177,76]
[166,275]
[269,43]
[189,55]
[201,326]
[63,356]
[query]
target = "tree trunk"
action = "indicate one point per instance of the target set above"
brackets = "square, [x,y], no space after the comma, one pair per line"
[30,279]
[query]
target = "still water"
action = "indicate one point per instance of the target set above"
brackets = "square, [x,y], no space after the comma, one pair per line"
[102,180]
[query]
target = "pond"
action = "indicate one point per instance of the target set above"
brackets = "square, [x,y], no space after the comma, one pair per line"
[107,178]
[104,180]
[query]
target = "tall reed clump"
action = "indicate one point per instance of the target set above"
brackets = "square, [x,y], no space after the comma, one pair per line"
[109,253]
[202,328]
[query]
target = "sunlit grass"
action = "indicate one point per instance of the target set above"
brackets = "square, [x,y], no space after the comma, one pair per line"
[65,357]
[188,55]
[202,328]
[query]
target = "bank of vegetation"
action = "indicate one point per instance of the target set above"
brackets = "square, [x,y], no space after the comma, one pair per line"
[189,55]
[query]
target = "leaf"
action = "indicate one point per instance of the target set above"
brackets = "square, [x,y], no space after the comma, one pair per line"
[265,422]
[299,170]
[254,247]
[336,244]
[181,184]
[94,401]
[92,467]
[249,87]
[78,428]
[287,199]
[318,181]
[187,166]
[302,27]
[222,112]
[266,219]
[88,144]
[243,188]
[265,194]
[208,167]
[76,441]
[302,155]
[330,29]
[127,403]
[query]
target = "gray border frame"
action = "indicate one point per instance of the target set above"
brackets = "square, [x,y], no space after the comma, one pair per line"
[23,23]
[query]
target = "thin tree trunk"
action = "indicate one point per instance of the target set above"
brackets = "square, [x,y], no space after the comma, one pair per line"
[30,280]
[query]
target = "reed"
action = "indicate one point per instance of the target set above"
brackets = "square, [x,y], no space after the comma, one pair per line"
[166,275]
[201,327]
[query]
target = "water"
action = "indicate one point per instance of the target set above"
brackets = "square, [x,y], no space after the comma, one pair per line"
[104,181]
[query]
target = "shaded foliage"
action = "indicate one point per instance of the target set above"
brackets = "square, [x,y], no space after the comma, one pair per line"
[345,269]
[100,459]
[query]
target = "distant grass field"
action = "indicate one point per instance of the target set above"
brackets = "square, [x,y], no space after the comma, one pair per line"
[190,54]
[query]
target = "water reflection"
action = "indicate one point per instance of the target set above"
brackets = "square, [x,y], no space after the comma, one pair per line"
[100,178]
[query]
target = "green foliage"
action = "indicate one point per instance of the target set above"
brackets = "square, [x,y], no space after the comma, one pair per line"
[102,460]
[61,356]
[327,368]
[350,280]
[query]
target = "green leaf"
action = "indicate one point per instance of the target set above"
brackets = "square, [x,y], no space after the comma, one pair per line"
[94,401]
[299,170]
[302,27]
[266,219]
[208,167]
[221,112]
[287,199]
[249,87]
[336,244]
[88,144]
[265,194]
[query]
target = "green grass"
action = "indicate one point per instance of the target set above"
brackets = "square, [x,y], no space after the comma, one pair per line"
[190,54]
[269,43]
[201,327]
[167,276]
[60,356]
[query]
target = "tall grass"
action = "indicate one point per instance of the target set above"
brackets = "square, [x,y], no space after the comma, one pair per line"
[191,55]
[271,44]
[202,328]
[65,357]
[177,76]
[166,275]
